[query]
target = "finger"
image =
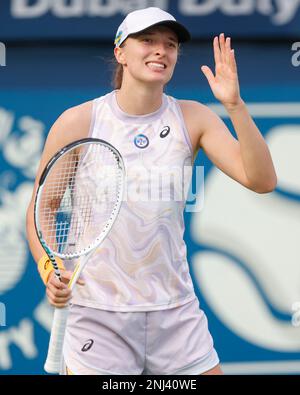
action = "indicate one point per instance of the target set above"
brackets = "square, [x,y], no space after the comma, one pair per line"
[67,275]
[227,50]
[58,283]
[62,293]
[58,302]
[80,282]
[53,300]
[208,74]
[233,61]
[58,305]
[56,298]
[217,53]
[222,47]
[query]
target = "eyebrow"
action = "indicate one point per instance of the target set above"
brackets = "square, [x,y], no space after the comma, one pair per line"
[151,34]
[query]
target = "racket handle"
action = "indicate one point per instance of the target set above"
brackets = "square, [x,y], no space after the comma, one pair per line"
[55,349]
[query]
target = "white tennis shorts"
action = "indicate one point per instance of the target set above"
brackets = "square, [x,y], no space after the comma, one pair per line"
[164,342]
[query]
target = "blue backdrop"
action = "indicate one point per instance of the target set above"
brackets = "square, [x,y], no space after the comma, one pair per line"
[260,282]
[60,19]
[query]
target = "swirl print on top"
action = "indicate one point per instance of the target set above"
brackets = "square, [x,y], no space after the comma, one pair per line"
[142,264]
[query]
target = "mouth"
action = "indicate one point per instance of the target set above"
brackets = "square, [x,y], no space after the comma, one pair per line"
[156,66]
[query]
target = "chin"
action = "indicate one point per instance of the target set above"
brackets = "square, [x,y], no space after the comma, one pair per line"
[162,79]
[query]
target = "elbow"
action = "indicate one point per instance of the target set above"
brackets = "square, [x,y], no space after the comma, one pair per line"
[29,219]
[266,187]
[264,190]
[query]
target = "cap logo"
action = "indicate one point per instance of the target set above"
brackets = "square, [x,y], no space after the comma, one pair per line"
[118,38]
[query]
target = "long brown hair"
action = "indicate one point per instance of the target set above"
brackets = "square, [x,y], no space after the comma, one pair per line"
[117,75]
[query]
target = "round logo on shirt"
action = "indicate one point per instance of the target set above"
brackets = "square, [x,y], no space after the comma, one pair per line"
[141,141]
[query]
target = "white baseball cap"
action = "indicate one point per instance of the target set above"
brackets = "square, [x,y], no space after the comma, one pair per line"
[140,20]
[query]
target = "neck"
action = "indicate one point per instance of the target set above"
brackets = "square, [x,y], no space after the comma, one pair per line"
[139,99]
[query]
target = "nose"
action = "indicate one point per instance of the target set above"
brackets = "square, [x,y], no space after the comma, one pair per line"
[160,49]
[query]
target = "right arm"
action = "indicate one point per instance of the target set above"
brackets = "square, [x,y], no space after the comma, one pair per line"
[72,125]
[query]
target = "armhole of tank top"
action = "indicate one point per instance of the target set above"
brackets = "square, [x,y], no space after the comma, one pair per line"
[93,118]
[184,128]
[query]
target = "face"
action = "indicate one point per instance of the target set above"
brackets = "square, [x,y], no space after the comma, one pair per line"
[149,57]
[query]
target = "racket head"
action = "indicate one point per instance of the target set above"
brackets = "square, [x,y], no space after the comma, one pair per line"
[79,197]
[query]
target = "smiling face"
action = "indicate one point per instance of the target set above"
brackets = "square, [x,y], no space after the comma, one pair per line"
[149,57]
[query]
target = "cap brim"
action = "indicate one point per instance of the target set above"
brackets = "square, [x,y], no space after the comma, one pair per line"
[182,33]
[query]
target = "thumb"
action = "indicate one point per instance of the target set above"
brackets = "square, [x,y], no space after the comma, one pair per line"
[66,276]
[208,74]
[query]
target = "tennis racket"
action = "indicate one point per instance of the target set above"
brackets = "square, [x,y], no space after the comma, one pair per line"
[77,201]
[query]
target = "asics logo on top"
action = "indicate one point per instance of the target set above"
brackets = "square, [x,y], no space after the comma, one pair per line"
[164,133]
[88,345]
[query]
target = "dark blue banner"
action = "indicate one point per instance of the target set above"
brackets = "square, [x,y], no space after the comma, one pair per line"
[99,19]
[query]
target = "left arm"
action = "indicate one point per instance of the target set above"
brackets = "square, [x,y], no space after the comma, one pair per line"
[251,152]
[255,153]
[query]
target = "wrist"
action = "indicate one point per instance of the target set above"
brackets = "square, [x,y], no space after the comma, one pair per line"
[45,267]
[234,107]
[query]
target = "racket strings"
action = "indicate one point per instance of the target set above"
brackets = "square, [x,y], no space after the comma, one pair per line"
[79,197]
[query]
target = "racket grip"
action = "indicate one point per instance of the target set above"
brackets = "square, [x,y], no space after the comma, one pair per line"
[55,349]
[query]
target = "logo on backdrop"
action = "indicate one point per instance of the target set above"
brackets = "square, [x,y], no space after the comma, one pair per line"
[21,142]
[248,266]
[2,314]
[296,55]
[2,54]
[278,12]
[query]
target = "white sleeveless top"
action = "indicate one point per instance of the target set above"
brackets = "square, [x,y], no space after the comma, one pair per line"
[142,264]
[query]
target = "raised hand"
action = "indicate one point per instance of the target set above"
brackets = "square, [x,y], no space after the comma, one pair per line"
[224,84]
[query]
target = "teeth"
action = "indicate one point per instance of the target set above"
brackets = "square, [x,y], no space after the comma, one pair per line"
[156,65]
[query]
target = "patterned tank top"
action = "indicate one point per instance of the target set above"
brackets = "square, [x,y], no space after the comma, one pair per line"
[142,264]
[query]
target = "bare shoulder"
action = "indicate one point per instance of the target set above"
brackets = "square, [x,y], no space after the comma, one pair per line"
[189,105]
[195,110]
[196,113]
[74,123]
[197,117]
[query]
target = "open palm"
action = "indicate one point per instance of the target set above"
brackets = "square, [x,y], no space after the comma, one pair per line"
[224,84]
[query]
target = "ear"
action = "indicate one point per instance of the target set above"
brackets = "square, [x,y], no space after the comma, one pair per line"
[120,55]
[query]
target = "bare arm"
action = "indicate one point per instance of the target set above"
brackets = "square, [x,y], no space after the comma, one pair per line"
[72,125]
[246,159]
[254,151]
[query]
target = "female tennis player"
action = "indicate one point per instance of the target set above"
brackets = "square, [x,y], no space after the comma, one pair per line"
[135,310]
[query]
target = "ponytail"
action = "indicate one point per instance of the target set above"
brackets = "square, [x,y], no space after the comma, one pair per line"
[117,76]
